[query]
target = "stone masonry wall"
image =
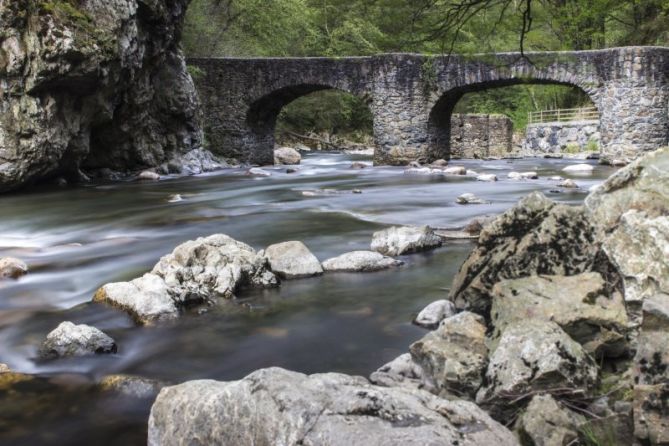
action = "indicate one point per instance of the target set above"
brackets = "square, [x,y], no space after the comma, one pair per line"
[555,137]
[480,135]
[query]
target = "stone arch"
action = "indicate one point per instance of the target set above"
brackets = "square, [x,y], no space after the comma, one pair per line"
[441,111]
[263,112]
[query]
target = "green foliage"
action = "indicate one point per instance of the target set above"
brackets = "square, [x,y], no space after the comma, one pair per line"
[67,10]
[429,76]
[602,434]
[572,148]
[195,72]
[592,146]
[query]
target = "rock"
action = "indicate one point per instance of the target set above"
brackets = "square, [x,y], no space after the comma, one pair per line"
[642,185]
[455,170]
[579,168]
[4,368]
[454,355]
[96,84]
[258,172]
[468,198]
[147,299]
[287,155]
[556,178]
[639,250]
[360,261]
[414,164]
[546,423]
[522,175]
[75,340]
[12,268]
[651,362]
[292,260]
[471,173]
[439,163]
[579,304]
[537,236]
[398,240]
[434,313]
[486,177]
[197,161]
[322,409]
[534,356]
[651,413]
[619,163]
[358,165]
[402,371]
[134,386]
[475,226]
[175,198]
[423,171]
[568,184]
[196,271]
[292,170]
[148,175]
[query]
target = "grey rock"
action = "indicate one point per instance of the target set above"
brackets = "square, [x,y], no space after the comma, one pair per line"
[486,177]
[320,409]
[434,313]
[258,172]
[651,413]
[579,304]
[292,260]
[546,423]
[651,362]
[196,271]
[399,240]
[358,165]
[534,356]
[360,261]
[69,339]
[439,163]
[454,355]
[198,161]
[579,168]
[455,170]
[537,236]
[401,371]
[568,184]
[287,155]
[108,91]
[12,268]
[148,175]
[4,368]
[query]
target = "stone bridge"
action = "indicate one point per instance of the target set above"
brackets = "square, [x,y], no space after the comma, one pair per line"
[412,96]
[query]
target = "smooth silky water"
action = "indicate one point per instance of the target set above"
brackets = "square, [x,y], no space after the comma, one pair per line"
[76,239]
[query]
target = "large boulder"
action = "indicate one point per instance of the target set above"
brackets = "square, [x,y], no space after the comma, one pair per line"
[92,84]
[360,261]
[398,240]
[292,260]
[278,407]
[12,268]
[196,271]
[69,339]
[287,155]
[454,355]
[537,236]
[579,304]
[535,356]
[546,423]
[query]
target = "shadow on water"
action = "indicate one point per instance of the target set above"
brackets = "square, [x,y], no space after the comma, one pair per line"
[77,239]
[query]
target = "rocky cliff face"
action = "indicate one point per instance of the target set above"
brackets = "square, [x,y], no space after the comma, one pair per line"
[92,84]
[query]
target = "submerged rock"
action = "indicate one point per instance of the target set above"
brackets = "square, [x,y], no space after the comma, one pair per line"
[196,271]
[148,175]
[532,356]
[434,313]
[358,165]
[12,268]
[537,236]
[468,198]
[129,385]
[287,155]
[580,305]
[398,240]
[439,163]
[292,260]
[523,175]
[322,409]
[360,261]
[486,177]
[455,170]
[568,184]
[258,172]
[546,423]
[69,339]
[579,168]
[454,355]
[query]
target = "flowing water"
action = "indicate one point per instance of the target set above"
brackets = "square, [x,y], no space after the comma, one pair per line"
[76,239]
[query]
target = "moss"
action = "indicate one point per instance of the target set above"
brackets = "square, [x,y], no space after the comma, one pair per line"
[195,71]
[429,75]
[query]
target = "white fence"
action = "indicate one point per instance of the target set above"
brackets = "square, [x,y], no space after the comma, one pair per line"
[563,115]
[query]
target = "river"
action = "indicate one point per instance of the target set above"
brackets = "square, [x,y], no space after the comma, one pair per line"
[77,238]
